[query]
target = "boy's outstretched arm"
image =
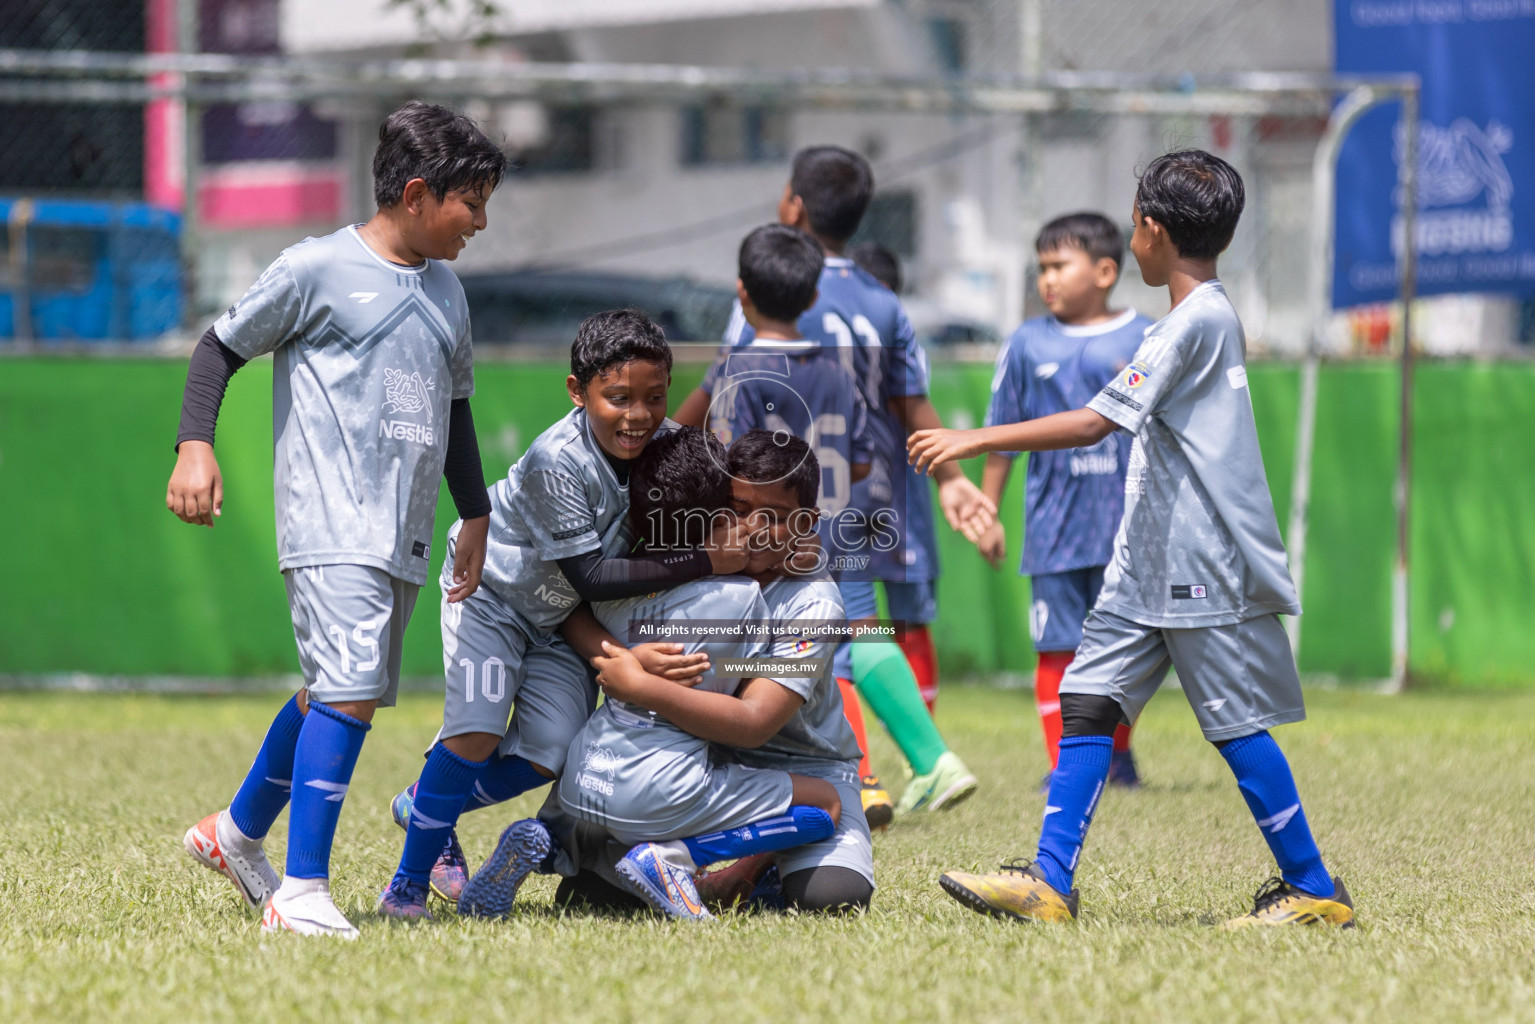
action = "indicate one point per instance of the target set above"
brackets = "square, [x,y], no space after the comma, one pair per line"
[1081,428]
[693,409]
[966,508]
[749,719]
[196,489]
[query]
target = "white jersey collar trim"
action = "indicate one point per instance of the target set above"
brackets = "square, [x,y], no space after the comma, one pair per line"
[398,268]
[838,261]
[782,345]
[1093,330]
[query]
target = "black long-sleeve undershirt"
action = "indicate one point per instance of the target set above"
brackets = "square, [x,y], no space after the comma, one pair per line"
[461,466]
[612,579]
[214,363]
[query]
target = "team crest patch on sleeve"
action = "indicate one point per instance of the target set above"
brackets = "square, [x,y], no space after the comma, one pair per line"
[1135,375]
[801,646]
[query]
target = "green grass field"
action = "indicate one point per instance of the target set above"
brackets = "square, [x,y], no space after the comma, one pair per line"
[1425,803]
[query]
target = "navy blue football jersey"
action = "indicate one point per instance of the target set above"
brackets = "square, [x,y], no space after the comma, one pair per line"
[863,322]
[1074,498]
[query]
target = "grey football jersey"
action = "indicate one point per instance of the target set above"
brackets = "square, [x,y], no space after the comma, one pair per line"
[662,766]
[1199,544]
[561,499]
[724,599]
[819,728]
[367,357]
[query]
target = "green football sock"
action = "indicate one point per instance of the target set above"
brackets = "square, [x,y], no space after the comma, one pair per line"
[885,680]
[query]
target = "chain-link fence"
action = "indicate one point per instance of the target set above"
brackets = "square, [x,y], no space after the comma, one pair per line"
[637,180]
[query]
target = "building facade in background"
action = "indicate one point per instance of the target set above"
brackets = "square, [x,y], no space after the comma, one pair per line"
[631,186]
[643,187]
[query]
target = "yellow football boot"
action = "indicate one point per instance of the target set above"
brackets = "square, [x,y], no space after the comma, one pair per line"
[877,806]
[1277,903]
[1018,891]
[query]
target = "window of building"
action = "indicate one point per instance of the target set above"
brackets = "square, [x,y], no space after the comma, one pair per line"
[566,142]
[949,43]
[726,134]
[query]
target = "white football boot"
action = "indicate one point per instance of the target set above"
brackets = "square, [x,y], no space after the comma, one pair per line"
[303,906]
[216,843]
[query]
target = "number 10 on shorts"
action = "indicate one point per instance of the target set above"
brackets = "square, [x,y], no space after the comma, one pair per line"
[492,680]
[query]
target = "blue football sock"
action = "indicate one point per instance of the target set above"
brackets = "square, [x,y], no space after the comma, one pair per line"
[503,779]
[1264,777]
[800,826]
[1075,786]
[439,799]
[328,746]
[264,793]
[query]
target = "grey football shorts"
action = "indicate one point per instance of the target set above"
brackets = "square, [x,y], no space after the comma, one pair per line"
[499,681]
[1239,679]
[349,621]
[628,780]
[850,846]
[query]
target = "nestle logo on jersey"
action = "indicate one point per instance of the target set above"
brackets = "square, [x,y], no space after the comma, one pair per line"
[554,597]
[407,393]
[404,430]
[1189,591]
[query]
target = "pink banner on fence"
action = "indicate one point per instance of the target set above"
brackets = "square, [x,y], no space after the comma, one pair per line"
[270,194]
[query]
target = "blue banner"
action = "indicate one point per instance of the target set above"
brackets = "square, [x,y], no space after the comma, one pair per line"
[1476,148]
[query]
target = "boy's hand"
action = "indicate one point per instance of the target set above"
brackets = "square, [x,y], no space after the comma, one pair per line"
[805,556]
[993,545]
[929,449]
[966,507]
[670,661]
[196,490]
[620,673]
[469,558]
[730,550]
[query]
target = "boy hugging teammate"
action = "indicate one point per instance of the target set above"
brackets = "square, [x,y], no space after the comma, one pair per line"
[1198,579]
[1073,499]
[372,377]
[558,529]
[652,801]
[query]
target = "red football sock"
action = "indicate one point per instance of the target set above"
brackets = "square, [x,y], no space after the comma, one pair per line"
[854,712]
[917,645]
[1047,696]
[1121,738]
